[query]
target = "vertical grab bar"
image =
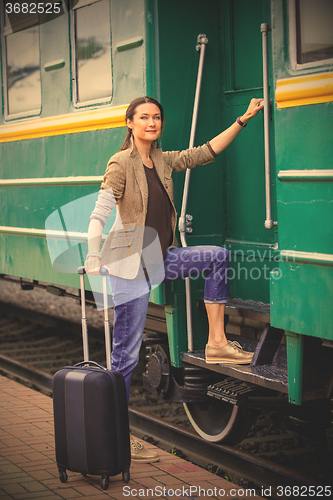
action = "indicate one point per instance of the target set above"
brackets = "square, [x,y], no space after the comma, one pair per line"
[269,223]
[202,42]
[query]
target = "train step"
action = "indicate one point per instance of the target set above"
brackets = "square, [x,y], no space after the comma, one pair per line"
[231,390]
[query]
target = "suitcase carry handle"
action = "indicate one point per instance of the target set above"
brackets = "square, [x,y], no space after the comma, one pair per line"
[104,272]
[90,363]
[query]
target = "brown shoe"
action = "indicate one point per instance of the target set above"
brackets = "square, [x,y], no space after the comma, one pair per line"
[140,454]
[232,353]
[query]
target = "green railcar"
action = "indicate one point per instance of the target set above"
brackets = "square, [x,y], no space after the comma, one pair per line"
[68,73]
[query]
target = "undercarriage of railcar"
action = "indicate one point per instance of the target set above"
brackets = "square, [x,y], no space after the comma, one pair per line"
[222,401]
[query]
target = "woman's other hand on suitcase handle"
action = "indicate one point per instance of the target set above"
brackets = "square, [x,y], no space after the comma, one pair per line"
[92,265]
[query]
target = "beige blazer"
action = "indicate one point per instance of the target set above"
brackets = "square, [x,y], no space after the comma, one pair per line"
[125,177]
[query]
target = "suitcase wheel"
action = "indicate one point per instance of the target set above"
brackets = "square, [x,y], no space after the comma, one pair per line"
[63,476]
[126,476]
[105,482]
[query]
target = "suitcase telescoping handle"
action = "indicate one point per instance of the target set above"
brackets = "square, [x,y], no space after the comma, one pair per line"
[104,272]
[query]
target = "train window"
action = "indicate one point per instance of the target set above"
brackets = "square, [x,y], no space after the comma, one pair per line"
[92,51]
[314,33]
[21,67]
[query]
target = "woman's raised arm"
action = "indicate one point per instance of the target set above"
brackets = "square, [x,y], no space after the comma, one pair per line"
[222,141]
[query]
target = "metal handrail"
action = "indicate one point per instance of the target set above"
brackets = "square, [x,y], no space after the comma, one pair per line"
[269,223]
[185,220]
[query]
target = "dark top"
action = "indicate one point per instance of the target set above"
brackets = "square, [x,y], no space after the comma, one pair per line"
[159,211]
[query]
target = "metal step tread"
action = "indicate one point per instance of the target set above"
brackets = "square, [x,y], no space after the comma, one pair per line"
[231,390]
[272,371]
[250,304]
[270,377]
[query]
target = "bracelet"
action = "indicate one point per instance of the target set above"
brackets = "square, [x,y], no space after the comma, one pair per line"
[239,121]
[93,254]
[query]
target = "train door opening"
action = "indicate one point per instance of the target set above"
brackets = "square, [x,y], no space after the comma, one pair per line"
[251,245]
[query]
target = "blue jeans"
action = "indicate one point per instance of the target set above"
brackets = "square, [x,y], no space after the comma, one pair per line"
[131,298]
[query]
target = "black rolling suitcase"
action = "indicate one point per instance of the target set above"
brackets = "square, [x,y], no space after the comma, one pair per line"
[90,412]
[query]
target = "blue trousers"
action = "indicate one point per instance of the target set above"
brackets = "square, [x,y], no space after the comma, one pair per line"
[131,298]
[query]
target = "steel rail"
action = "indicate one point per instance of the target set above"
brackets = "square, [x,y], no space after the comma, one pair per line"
[27,373]
[245,465]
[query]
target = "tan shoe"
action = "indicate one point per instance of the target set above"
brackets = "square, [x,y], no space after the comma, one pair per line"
[232,353]
[140,454]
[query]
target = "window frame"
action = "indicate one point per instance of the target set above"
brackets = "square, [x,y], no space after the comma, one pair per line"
[93,102]
[29,22]
[293,43]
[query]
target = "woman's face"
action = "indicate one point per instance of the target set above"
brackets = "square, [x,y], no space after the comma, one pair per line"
[146,124]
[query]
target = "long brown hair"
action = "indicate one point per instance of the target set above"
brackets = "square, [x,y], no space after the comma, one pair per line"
[130,112]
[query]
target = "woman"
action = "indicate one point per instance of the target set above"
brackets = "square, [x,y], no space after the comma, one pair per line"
[138,179]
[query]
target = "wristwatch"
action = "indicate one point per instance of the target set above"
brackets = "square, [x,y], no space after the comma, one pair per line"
[239,121]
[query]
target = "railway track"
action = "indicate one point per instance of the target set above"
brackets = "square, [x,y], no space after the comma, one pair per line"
[34,346]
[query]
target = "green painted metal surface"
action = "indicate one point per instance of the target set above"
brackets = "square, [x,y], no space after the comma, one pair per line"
[306,214]
[176,323]
[302,291]
[295,351]
[178,67]
[78,154]
[301,299]
[250,244]
[30,206]
[227,196]
[165,66]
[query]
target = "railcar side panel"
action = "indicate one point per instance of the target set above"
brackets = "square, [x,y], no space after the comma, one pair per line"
[302,288]
[67,138]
